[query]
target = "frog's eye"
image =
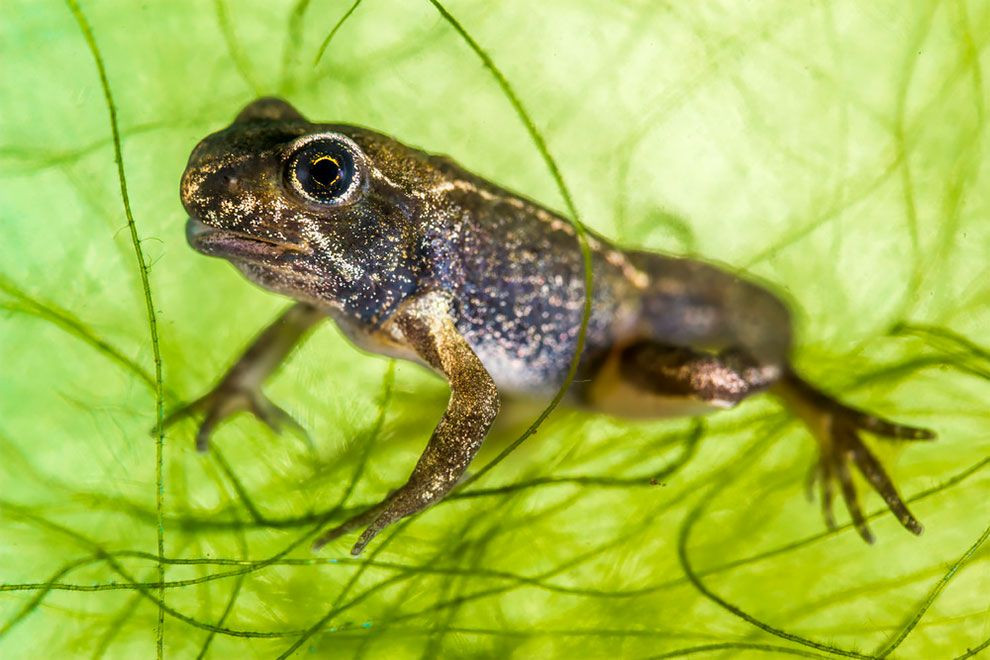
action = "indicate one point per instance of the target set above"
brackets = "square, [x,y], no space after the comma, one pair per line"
[322,171]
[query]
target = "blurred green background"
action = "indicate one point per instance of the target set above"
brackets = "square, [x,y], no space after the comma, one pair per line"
[834,148]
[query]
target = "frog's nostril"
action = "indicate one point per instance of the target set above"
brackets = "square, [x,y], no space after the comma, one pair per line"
[230,181]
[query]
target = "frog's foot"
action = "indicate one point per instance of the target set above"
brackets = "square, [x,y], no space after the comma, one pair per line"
[415,496]
[227,399]
[837,428]
[357,521]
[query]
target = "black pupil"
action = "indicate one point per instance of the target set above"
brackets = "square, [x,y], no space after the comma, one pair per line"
[324,172]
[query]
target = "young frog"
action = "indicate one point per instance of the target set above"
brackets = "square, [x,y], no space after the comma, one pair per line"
[416,258]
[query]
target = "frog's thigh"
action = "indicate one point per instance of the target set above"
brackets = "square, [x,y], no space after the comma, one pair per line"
[649,379]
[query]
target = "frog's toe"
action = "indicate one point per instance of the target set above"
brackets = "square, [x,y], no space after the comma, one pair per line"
[873,472]
[217,406]
[823,474]
[206,428]
[840,465]
[181,412]
[276,418]
[203,405]
[359,520]
[884,428]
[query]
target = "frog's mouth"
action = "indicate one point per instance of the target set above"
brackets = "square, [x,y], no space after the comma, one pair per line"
[239,246]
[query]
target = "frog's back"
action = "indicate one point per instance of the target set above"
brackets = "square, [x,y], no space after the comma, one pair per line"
[517,275]
[516,271]
[696,304]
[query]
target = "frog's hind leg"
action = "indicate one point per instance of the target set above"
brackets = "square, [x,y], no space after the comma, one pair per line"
[837,428]
[651,379]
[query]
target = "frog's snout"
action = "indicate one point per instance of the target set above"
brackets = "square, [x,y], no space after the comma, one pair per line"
[206,183]
[189,188]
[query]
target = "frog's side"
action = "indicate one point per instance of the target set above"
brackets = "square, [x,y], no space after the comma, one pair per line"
[414,257]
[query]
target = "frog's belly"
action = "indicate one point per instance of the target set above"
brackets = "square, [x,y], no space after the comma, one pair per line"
[625,400]
[520,376]
[513,374]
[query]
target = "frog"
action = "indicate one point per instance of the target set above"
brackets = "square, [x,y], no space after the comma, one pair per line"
[416,258]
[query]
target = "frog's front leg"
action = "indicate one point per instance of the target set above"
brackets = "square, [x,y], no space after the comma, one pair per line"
[428,328]
[836,427]
[240,388]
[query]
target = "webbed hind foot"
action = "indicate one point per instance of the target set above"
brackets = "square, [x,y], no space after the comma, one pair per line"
[837,429]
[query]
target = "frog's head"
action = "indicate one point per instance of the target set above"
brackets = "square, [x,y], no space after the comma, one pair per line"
[326,213]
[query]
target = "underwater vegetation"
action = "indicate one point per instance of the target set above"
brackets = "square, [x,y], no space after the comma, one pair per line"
[834,149]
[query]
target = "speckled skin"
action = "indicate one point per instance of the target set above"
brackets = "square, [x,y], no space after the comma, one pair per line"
[512,267]
[425,261]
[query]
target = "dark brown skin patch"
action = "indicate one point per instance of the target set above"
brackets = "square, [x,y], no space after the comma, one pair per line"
[417,258]
[680,371]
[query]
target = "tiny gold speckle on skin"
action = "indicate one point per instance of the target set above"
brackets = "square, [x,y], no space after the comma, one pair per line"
[414,257]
